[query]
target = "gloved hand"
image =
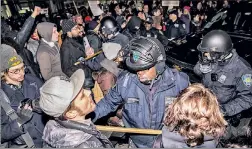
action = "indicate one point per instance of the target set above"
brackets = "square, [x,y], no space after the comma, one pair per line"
[24,114]
[33,103]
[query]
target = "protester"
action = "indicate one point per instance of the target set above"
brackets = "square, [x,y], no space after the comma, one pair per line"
[23,93]
[69,106]
[33,44]
[48,55]
[193,120]
[92,35]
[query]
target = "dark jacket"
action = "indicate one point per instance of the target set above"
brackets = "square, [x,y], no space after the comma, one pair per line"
[143,107]
[30,89]
[71,134]
[120,39]
[175,140]
[20,39]
[94,41]
[232,86]
[186,20]
[195,26]
[70,52]
[175,29]
[25,32]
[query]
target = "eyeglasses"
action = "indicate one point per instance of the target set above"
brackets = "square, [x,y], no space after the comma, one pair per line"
[17,71]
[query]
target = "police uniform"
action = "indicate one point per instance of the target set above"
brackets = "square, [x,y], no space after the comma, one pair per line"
[232,84]
[231,81]
[175,29]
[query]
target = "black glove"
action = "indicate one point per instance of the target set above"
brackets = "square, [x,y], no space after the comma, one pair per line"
[35,106]
[24,115]
[33,103]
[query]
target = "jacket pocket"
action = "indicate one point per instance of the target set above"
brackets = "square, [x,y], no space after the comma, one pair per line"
[132,110]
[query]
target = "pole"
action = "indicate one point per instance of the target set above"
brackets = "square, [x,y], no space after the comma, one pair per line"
[75,7]
[129,130]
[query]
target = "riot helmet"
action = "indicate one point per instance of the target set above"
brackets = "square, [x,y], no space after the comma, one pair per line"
[144,53]
[215,49]
[108,25]
[217,44]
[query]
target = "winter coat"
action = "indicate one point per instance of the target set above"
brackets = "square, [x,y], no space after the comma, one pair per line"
[143,107]
[30,89]
[73,135]
[175,140]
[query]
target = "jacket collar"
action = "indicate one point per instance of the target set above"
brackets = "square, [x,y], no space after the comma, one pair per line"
[164,81]
[51,44]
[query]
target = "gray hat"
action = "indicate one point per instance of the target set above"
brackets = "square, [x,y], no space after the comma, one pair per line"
[111,50]
[9,57]
[58,92]
[111,66]
[67,26]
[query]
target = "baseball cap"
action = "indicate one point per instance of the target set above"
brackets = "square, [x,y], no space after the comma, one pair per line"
[58,93]
[9,57]
[111,50]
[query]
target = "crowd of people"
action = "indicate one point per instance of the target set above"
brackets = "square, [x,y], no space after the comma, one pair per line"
[59,78]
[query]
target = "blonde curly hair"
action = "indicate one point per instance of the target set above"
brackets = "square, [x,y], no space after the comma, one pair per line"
[194,114]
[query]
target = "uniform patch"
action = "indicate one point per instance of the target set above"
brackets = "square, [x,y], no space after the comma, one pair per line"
[176,25]
[222,79]
[184,26]
[246,79]
[169,100]
[136,56]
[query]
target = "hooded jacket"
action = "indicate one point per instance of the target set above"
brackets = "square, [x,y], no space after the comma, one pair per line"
[175,140]
[48,55]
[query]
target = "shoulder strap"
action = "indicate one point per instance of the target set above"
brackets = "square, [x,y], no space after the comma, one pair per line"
[158,142]
[13,116]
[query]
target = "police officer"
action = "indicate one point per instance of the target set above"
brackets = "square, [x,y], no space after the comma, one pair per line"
[150,31]
[110,31]
[144,92]
[175,27]
[228,76]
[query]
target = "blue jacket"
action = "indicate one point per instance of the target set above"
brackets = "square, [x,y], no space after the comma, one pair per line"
[143,107]
[30,89]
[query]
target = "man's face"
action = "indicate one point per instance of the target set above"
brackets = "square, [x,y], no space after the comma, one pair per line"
[147,26]
[146,8]
[79,20]
[147,75]
[16,73]
[55,35]
[84,102]
[75,31]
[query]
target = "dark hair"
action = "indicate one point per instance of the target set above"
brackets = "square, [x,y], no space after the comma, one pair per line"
[155,10]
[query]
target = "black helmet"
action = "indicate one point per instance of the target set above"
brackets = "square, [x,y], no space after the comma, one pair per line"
[217,43]
[108,25]
[145,52]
